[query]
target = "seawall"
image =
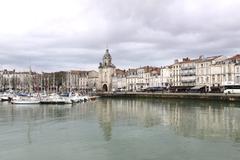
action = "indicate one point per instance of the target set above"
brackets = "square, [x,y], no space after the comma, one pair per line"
[197,96]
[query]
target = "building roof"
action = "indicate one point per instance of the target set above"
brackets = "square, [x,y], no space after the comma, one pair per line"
[200,59]
[120,73]
[188,61]
[210,58]
[150,68]
[235,57]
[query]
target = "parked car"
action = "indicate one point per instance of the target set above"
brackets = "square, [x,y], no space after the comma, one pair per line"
[231,91]
[228,89]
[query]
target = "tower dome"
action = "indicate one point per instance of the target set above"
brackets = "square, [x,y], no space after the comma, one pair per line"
[107,59]
[107,55]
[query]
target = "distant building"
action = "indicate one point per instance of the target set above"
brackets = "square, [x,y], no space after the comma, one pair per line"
[69,81]
[132,79]
[231,70]
[106,72]
[119,80]
[175,74]
[160,77]
[188,72]
[207,71]
[25,81]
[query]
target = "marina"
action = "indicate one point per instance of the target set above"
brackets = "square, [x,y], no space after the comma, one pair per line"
[119,80]
[37,98]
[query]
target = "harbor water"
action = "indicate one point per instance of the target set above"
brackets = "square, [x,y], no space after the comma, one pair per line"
[121,129]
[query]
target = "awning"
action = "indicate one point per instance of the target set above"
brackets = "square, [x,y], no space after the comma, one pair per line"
[197,87]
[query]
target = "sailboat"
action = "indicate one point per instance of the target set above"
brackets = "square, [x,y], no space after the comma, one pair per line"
[6,96]
[76,98]
[31,98]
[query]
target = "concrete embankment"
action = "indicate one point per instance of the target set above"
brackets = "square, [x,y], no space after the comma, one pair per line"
[199,96]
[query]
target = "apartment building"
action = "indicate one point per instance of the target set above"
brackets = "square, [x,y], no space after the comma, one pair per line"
[132,79]
[175,78]
[188,72]
[231,70]
[119,80]
[208,71]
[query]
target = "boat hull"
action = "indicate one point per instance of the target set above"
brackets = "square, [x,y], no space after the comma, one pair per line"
[55,102]
[5,99]
[25,102]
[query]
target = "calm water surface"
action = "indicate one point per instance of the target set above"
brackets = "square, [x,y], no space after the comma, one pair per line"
[121,129]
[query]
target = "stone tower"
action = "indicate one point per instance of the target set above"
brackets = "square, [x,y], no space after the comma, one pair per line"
[106,71]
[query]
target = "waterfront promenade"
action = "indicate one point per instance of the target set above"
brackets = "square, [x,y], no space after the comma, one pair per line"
[199,96]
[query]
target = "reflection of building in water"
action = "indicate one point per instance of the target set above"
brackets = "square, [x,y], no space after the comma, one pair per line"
[104,113]
[185,117]
[218,121]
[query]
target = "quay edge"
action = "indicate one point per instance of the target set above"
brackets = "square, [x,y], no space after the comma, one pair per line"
[197,96]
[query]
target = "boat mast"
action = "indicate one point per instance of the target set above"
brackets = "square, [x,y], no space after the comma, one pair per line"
[30,80]
[48,84]
[54,89]
[41,81]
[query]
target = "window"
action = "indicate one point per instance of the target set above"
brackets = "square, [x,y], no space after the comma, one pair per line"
[218,78]
[229,77]
[238,79]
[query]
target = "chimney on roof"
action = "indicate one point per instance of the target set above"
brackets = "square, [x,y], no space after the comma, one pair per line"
[175,61]
[201,56]
[185,59]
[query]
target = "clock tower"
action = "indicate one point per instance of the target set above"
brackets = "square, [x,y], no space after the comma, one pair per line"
[106,72]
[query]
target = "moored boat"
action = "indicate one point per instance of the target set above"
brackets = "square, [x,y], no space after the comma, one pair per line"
[93,98]
[6,97]
[84,98]
[26,100]
[55,99]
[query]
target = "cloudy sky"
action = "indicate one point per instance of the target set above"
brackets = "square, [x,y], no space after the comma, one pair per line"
[53,35]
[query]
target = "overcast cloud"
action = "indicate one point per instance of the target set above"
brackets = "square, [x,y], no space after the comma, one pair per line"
[53,35]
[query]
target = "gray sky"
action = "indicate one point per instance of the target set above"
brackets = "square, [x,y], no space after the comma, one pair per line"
[53,35]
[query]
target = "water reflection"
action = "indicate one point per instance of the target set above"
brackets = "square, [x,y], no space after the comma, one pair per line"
[105,114]
[187,118]
[29,137]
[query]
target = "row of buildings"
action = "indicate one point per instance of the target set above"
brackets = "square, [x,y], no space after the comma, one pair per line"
[62,81]
[208,72]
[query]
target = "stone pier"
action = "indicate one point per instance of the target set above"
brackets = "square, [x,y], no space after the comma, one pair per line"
[197,96]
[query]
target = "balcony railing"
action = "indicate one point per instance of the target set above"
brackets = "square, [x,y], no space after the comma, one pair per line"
[188,74]
[188,67]
[188,81]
